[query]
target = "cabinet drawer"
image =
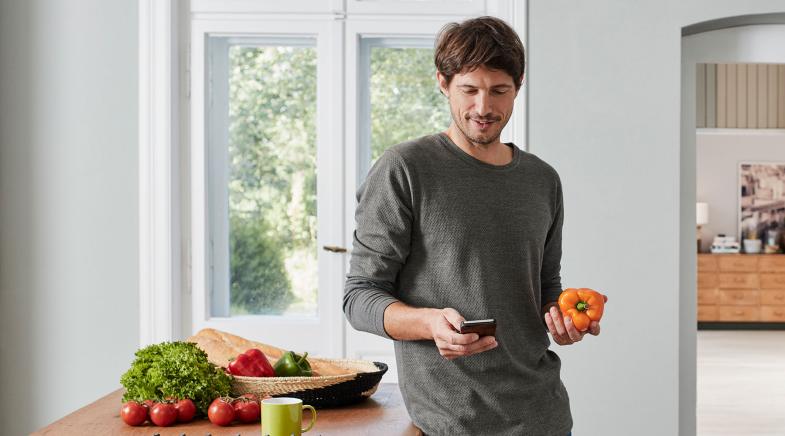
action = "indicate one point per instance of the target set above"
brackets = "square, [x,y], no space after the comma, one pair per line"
[707,296]
[743,263]
[772,297]
[772,263]
[707,263]
[708,313]
[708,280]
[739,313]
[772,281]
[739,280]
[772,313]
[742,298]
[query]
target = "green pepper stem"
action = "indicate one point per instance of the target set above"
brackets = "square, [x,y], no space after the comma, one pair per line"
[582,306]
[299,362]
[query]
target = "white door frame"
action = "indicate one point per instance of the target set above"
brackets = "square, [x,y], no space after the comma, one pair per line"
[159,228]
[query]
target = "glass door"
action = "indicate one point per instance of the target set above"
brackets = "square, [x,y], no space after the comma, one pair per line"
[264,168]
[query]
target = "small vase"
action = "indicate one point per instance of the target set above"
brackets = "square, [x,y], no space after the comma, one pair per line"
[752,246]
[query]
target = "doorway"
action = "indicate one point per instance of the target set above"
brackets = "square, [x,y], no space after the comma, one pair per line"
[734,393]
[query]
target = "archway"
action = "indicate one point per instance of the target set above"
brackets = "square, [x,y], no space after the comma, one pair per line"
[739,39]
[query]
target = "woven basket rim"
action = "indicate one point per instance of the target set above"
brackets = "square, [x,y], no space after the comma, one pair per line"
[277,386]
[318,377]
[293,379]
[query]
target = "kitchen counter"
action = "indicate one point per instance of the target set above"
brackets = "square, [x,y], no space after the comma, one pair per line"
[382,414]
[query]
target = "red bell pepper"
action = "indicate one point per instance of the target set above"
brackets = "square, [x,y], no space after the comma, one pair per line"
[252,363]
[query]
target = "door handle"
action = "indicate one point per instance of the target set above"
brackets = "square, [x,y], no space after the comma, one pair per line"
[335,249]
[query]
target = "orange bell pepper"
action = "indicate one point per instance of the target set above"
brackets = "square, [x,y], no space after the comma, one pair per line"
[583,305]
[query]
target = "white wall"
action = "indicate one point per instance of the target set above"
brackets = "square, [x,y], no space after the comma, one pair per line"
[68,205]
[605,111]
[605,105]
[718,156]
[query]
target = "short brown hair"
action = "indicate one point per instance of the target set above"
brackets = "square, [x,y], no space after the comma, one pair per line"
[482,41]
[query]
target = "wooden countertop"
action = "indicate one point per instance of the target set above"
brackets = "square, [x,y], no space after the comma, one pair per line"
[382,414]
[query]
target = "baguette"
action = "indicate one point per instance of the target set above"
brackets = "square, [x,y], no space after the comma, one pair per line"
[218,353]
[221,347]
[238,343]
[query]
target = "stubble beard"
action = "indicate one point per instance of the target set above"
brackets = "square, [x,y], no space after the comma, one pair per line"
[464,126]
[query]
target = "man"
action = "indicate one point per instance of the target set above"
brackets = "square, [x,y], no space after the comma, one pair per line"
[458,225]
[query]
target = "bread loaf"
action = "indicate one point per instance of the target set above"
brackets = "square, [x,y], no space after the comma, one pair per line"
[239,344]
[221,347]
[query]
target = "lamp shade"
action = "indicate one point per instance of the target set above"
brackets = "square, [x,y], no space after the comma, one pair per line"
[702,213]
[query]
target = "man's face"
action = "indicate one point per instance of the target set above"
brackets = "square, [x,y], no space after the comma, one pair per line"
[481,102]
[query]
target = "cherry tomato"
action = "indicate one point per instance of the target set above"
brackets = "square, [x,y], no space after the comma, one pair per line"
[247,410]
[185,410]
[163,414]
[220,412]
[133,413]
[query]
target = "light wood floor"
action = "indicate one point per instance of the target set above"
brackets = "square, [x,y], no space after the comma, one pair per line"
[741,383]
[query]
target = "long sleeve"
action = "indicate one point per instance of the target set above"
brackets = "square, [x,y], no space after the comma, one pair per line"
[550,274]
[381,244]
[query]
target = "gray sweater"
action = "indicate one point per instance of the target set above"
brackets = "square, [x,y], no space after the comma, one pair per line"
[439,228]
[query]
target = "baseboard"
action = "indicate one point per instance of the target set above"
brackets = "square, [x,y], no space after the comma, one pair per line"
[741,325]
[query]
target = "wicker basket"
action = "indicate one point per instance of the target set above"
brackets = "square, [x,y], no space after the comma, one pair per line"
[320,391]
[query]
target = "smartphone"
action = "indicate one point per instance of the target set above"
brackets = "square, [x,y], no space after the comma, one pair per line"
[483,327]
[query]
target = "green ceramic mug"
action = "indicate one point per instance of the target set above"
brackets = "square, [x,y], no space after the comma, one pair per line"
[284,417]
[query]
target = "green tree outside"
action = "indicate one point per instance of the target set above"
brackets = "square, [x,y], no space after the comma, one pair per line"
[405,98]
[272,149]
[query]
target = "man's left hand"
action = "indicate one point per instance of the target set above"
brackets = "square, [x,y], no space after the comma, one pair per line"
[563,330]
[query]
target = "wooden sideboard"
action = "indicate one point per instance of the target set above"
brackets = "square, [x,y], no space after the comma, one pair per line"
[741,288]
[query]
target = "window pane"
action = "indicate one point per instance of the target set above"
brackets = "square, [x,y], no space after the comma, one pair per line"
[405,102]
[272,179]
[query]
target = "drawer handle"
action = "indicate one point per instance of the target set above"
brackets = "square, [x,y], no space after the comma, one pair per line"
[779,297]
[778,313]
[738,297]
[738,312]
[738,280]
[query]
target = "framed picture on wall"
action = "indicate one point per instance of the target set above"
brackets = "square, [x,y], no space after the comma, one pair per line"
[762,202]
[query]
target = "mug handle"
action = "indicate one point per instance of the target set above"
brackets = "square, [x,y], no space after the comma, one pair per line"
[313,417]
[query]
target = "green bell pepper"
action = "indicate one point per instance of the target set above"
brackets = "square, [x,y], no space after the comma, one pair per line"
[293,365]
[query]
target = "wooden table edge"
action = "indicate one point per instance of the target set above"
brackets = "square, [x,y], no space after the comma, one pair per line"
[384,413]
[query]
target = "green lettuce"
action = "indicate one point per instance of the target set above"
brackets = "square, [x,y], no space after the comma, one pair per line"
[175,369]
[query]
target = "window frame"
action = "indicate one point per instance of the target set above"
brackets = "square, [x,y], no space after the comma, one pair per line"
[417,7]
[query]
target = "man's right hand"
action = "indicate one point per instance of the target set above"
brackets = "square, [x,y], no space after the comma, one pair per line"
[444,328]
